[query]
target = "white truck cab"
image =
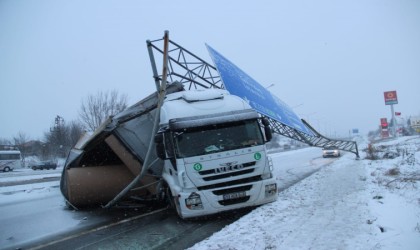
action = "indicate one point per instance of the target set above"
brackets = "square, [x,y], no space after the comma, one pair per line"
[213,147]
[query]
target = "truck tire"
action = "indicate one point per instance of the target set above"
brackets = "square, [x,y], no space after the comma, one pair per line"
[6,169]
[172,201]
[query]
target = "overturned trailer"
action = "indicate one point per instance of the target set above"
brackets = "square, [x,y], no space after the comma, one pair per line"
[102,164]
[198,160]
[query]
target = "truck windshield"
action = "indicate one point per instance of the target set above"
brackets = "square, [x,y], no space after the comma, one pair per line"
[216,138]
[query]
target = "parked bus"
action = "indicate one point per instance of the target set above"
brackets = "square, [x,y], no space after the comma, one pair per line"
[10,159]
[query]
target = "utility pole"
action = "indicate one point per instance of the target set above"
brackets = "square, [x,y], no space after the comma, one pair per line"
[394,122]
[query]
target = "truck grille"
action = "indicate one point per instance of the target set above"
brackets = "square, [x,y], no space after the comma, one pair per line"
[228,171]
[213,171]
[222,176]
[231,183]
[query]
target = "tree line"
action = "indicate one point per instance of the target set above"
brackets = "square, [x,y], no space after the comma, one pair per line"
[62,136]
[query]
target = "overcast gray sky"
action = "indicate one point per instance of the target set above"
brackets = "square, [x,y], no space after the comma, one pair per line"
[329,60]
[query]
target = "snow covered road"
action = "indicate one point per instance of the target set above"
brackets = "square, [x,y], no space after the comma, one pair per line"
[33,211]
[347,204]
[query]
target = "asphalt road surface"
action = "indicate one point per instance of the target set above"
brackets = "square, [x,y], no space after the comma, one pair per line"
[44,222]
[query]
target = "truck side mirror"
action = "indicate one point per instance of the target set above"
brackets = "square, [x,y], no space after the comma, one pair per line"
[160,147]
[267,129]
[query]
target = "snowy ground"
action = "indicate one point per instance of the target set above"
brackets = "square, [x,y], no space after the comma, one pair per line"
[16,193]
[350,204]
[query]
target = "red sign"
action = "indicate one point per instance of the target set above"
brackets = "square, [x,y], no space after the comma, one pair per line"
[397,113]
[384,121]
[390,97]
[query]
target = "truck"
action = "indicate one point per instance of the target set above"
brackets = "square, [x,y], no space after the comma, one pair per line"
[213,147]
[209,157]
[192,144]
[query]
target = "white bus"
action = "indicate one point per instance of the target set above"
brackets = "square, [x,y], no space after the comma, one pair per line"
[10,159]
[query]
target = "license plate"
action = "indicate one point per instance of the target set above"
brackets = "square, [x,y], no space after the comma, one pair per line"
[235,195]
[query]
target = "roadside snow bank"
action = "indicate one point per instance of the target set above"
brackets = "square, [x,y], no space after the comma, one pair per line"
[307,215]
[23,193]
[395,202]
[350,204]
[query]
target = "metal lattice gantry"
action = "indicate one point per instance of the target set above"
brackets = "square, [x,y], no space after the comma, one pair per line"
[318,140]
[195,73]
[185,67]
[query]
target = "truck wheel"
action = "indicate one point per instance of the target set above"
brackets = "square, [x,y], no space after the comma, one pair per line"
[6,169]
[169,198]
[172,201]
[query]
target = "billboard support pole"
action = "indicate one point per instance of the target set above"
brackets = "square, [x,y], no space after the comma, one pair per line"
[394,132]
[391,99]
[161,96]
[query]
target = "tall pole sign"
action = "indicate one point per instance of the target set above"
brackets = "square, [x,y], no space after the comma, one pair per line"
[391,99]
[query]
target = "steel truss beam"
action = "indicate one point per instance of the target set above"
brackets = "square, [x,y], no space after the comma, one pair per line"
[195,73]
[187,68]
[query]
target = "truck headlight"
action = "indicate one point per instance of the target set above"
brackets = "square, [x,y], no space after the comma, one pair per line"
[270,189]
[194,202]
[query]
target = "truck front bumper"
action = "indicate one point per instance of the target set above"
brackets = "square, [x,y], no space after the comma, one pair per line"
[194,203]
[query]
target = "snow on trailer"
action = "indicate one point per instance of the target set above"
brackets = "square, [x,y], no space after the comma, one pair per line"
[125,157]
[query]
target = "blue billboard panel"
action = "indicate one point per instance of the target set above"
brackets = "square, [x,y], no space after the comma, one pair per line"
[238,83]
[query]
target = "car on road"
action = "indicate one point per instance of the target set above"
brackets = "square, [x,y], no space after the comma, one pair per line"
[43,165]
[331,151]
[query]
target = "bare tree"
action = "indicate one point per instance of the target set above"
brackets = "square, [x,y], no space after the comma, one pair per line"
[20,141]
[75,130]
[61,138]
[95,109]
[56,138]
[4,141]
